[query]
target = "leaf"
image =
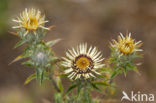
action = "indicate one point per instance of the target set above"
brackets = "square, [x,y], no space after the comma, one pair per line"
[137,56]
[58,98]
[136,70]
[17,59]
[19,43]
[63,75]
[59,83]
[28,53]
[28,63]
[53,58]
[115,73]
[13,33]
[42,77]
[95,87]
[46,75]
[53,42]
[102,83]
[71,88]
[30,78]
[125,71]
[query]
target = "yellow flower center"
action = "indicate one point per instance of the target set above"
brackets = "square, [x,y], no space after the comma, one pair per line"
[83,63]
[31,24]
[127,47]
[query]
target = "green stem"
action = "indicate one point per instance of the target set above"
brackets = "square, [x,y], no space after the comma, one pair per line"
[84,95]
[87,95]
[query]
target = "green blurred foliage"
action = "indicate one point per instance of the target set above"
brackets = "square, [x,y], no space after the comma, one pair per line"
[3,15]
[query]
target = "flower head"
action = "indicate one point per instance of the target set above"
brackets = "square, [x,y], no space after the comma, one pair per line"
[40,58]
[30,20]
[82,62]
[126,45]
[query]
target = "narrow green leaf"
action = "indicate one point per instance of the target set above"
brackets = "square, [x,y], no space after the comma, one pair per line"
[63,75]
[71,88]
[28,63]
[53,58]
[95,87]
[19,43]
[30,78]
[59,83]
[115,73]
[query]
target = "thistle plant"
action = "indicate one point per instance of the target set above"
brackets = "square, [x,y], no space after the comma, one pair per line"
[83,69]
[39,55]
[84,66]
[123,53]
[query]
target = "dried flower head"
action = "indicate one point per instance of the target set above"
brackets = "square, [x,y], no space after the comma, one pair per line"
[30,20]
[82,62]
[126,45]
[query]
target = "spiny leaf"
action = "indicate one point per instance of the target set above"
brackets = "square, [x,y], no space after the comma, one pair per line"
[95,87]
[115,73]
[71,88]
[53,42]
[13,33]
[28,63]
[19,43]
[53,58]
[17,59]
[30,78]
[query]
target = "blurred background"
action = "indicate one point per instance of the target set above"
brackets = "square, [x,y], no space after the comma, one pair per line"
[93,21]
